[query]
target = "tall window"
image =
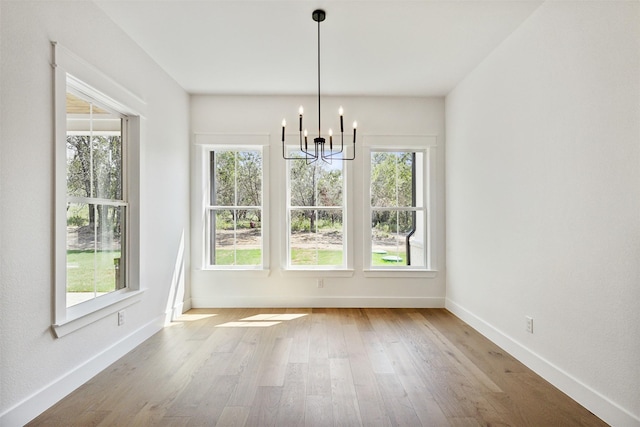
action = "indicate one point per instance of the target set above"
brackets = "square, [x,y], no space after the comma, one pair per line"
[315,215]
[235,210]
[97,126]
[96,232]
[398,209]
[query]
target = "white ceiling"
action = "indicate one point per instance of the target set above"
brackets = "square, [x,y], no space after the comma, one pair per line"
[386,47]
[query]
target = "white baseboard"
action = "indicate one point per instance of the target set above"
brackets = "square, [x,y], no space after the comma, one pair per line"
[328,302]
[591,399]
[31,407]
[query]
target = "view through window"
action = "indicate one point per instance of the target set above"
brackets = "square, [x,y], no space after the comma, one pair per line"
[315,211]
[234,210]
[398,214]
[96,204]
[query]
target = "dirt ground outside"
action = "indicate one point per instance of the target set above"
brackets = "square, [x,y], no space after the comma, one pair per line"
[329,240]
[84,238]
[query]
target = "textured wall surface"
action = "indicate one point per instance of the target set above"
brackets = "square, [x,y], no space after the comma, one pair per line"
[543,193]
[376,116]
[31,358]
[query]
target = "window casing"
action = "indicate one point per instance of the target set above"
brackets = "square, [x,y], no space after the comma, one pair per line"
[97,138]
[234,209]
[316,215]
[398,201]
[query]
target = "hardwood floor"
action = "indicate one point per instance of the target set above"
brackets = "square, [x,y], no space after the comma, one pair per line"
[317,367]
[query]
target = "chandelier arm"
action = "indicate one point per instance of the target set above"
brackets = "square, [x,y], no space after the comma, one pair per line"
[334,153]
[353,155]
[284,155]
[312,158]
[304,148]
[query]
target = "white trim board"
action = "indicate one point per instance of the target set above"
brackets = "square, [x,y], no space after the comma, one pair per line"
[40,401]
[600,405]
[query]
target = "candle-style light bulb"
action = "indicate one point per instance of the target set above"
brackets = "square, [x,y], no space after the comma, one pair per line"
[284,123]
[300,110]
[330,139]
[355,126]
[340,110]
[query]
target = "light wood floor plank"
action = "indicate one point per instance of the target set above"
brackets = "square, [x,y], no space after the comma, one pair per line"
[318,411]
[317,367]
[346,410]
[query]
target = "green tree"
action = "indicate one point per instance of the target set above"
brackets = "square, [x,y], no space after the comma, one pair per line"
[314,185]
[94,169]
[391,183]
[237,180]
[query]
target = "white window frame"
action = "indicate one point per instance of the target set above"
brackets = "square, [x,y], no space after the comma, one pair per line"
[427,145]
[70,70]
[346,270]
[204,144]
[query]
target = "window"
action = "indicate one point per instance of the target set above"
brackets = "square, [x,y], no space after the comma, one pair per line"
[398,200]
[316,215]
[96,258]
[234,210]
[97,213]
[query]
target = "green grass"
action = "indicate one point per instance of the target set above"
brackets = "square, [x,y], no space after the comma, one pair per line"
[377,260]
[315,257]
[300,257]
[85,267]
[243,257]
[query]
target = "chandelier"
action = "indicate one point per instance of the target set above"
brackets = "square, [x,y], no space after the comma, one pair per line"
[319,149]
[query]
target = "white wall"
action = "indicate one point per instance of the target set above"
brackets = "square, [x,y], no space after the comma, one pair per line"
[37,369]
[543,200]
[375,116]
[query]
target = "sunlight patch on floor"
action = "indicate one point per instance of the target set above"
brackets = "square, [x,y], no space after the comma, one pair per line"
[262,320]
[247,324]
[278,316]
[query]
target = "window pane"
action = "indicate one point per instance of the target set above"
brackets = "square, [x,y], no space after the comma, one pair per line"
[224,185]
[79,165]
[391,179]
[318,184]
[417,242]
[249,178]
[94,150]
[389,235]
[107,166]
[316,237]
[237,238]
[94,251]
[223,229]
[249,237]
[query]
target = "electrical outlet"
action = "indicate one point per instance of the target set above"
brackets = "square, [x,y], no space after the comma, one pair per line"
[121,317]
[320,283]
[529,324]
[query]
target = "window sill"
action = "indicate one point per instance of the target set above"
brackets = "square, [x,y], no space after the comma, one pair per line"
[400,273]
[316,272]
[84,314]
